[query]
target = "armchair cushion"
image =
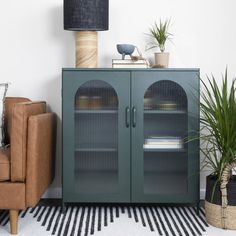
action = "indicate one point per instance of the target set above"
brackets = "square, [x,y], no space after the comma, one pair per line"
[4,164]
[19,129]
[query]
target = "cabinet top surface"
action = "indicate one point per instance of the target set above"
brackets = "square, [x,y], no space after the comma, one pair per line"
[131,69]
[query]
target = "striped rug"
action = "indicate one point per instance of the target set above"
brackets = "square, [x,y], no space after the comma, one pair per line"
[95,220]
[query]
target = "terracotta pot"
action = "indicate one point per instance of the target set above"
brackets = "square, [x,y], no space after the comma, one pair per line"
[162,59]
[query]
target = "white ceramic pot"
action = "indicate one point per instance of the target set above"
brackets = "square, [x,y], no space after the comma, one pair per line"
[162,59]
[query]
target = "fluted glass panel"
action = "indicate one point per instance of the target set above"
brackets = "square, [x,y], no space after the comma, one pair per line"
[96,138]
[164,146]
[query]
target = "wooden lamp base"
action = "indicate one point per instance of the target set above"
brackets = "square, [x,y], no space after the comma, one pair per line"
[86,49]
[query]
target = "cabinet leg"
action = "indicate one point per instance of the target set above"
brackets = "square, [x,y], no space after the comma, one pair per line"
[13,221]
[63,208]
[198,208]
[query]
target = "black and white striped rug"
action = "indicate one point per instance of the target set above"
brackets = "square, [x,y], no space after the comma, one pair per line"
[96,220]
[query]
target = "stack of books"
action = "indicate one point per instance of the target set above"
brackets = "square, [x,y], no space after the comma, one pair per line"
[128,63]
[163,142]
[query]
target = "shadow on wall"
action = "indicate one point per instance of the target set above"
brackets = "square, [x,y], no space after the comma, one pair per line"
[54,88]
[65,39]
[65,58]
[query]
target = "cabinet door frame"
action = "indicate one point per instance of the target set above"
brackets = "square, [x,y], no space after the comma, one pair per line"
[72,80]
[140,81]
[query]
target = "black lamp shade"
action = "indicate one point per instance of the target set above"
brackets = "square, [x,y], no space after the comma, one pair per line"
[86,15]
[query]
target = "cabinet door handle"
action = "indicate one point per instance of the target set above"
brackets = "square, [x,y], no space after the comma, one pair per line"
[134,110]
[127,117]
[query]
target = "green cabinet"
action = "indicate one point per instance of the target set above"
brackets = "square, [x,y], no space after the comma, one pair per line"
[125,132]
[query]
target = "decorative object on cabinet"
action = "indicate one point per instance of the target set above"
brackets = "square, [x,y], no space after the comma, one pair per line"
[27,164]
[138,57]
[3,91]
[136,61]
[160,34]
[129,63]
[86,17]
[82,102]
[168,105]
[218,109]
[96,102]
[104,153]
[125,49]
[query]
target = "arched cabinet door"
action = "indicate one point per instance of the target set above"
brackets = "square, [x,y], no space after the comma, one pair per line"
[164,114]
[96,136]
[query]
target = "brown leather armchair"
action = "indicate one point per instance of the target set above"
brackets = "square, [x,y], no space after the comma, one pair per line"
[26,166]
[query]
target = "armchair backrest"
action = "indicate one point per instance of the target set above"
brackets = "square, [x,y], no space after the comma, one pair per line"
[21,113]
[9,103]
[18,112]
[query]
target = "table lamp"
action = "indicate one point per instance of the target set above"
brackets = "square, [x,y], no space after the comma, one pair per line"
[86,17]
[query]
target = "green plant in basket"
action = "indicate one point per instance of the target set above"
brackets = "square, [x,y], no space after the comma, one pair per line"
[218,124]
[218,135]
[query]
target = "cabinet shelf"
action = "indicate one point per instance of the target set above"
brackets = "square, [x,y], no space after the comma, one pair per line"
[164,112]
[164,150]
[95,149]
[98,147]
[93,111]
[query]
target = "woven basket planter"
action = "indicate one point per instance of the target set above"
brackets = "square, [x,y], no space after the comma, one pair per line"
[221,208]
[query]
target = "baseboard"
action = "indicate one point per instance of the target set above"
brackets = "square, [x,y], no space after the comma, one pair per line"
[53,193]
[202,193]
[57,193]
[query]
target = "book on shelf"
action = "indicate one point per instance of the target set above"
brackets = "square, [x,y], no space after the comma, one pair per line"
[163,142]
[128,63]
[164,139]
[161,146]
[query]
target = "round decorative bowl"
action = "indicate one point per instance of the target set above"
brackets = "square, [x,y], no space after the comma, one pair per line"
[125,49]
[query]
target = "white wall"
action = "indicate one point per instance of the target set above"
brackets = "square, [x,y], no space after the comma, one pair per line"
[34,47]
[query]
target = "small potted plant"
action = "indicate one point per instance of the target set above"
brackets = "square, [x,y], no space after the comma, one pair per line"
[218,136]
[160,34]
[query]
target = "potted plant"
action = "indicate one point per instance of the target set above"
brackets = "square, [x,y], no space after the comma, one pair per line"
[218,136]
[160,34]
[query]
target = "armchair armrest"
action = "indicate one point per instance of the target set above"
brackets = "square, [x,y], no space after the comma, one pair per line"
[19,129]
[40,156]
